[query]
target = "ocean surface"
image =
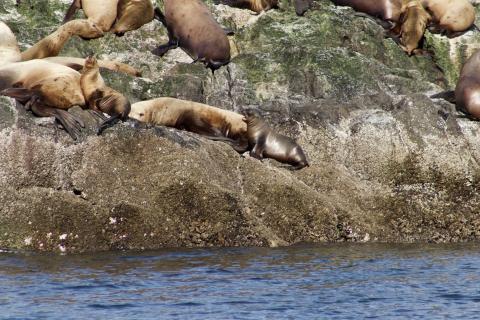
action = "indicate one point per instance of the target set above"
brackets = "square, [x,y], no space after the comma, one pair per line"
[369,281]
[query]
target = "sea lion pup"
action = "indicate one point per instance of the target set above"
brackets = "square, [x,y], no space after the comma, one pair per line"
[263,142]
[191,116]
[467,92]
[9,50]
[254,5]
[47,89]
[386,10]
[101,98]
[413,22]
[131,15]
[192,27]
[53,43]
[102,12]
[453,17]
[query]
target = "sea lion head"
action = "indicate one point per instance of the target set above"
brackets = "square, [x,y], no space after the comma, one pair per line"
[139,112]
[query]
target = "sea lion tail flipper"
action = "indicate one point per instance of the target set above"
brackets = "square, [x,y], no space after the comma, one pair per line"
[97,115]
[108,123]
[240,145]
[301,6]
[21,94]
[448,95]
[76,4]
[70,123]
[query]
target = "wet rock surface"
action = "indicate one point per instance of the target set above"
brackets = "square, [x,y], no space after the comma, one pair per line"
[387,162]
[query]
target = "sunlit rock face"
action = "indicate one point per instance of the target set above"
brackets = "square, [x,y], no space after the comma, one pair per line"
[387,163]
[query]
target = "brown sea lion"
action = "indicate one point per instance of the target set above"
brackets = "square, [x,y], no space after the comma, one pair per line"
[131,15]
[191,116]
[102,12]
[451,16]
[254,5]
[412,25]
[386,10]
[47,89]
[53,43]
[101,98]
[9,50]
[192,27]
[263,142]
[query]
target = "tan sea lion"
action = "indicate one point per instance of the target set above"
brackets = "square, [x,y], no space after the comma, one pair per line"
[54,43]
[467,92]
[9,50]
[386,10]
[191,116]
[451,16]
[101,98]
[78,64]
[254,5]
[102,12]
[131,15]
[192,27]
[412,25]
[263,142]
[47,89]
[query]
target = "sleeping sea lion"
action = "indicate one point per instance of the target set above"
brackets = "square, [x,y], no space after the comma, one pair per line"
[9,50]
[386,10]
[102,12]
[192,27]
[263,142]
[254,5]
[101,98]
[53,43]
[191,116]
[47,89]
[413,22]
[451,16]
[131,15]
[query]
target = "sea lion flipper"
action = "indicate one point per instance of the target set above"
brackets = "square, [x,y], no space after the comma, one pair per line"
[160,16]
[70,123]
[108,123]
[162,49]
[76,4]
[448,95]
[21,94]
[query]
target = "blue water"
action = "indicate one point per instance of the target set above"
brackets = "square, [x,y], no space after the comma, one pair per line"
[302,282]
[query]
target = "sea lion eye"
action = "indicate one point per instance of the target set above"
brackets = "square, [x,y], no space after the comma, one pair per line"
[141,114]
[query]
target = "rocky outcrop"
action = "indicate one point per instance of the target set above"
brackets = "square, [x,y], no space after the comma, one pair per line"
[387,162]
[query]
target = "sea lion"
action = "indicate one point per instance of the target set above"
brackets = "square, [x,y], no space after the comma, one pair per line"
[192,27]
[386,10]
[9,50]
[191,116]
[47,89]
[102,12]
[263,142]
[131,15]
[254,5]
[78,64]
[467,91]
[451,16]
[101,98]
[53,43]
[412,25]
